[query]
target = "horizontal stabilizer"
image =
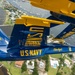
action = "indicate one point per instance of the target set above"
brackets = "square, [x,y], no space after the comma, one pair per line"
[4,40]
[68,31]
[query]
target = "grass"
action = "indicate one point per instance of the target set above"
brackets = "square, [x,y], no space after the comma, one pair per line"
[25,73]
[56,55]
[8,21]
[65,70]
[12,69]
[52,71]
[68,59]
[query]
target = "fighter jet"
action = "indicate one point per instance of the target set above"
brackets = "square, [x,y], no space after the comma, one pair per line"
[29,40]
[64,7]
[63,10]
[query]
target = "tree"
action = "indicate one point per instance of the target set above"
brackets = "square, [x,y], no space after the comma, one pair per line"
[61,61]
[46,59]
[73,70]
[35,64]
[35,70]
[30,63]
[58,73]
[24,67]
[47,63]
[70,55]
[47,67]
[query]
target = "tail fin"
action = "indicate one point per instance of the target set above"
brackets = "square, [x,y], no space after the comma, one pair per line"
[4,40]
[30,31]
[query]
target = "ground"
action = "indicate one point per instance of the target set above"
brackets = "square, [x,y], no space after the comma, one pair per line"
[17,71]
[65,70]
[12,69]
[56,55]
[52,71]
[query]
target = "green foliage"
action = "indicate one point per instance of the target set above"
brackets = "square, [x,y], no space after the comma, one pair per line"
[61,61]
[56,56]
[47,63]
[35,70]
[70,55]
[10,8]
[60,64]
[58,73]
[46,57]
[39,58]
[30,63]
[11,68]
[23,68]
[35,64]
[47,67]
[73,70]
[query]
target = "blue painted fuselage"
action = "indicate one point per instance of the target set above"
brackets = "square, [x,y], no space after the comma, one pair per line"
[25,53]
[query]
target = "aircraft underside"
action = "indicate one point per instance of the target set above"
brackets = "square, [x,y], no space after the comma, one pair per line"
[30,37]
[23,53]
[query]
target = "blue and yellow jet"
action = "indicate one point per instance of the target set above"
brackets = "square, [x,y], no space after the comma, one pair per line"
[30,39]
[63,7]
[60,9]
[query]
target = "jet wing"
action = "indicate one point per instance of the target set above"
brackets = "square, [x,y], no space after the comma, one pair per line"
[68,31]
[65,7]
